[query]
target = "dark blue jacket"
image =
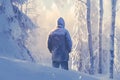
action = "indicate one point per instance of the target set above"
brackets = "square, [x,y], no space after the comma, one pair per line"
[59,42]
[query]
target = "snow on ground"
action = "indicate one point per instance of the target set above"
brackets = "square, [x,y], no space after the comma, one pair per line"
[13,69]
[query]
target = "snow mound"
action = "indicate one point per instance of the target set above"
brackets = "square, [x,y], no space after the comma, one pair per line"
[13,69]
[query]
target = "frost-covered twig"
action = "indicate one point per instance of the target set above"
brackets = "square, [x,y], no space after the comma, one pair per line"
[83,2]
[117,9]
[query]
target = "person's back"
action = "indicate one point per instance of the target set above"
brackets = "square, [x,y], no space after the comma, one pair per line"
[60,44]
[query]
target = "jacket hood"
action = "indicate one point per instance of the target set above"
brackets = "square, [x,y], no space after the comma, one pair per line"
[61,23]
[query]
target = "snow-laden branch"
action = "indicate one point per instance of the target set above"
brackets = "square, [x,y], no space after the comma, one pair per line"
[118,9]
[19,1]
[83,2]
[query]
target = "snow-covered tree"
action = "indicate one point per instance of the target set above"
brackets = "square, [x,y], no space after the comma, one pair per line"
[113,16]
[80,48]
[83,47]
[100,35]
[90,37]
[16,27]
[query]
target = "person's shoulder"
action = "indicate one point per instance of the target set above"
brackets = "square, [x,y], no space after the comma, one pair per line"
[66,30]
[63,29]
[52,31]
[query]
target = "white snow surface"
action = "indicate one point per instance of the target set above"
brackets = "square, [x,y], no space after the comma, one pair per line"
[14,69]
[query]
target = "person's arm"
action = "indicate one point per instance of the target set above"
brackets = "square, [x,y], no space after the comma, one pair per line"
[50,43]
[68,42]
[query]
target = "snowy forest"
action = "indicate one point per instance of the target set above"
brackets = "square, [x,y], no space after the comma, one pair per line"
[94,28]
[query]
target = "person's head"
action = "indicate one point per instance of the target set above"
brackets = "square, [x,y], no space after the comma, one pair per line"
[61,22]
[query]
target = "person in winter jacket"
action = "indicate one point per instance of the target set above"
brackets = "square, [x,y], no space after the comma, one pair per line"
[60,45]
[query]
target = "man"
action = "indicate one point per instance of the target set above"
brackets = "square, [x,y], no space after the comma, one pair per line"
[60,45]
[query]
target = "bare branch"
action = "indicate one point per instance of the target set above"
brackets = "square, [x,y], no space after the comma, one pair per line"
[83,2]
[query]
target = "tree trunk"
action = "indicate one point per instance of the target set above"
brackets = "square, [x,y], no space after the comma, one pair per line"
[100,36]
[111,69]
[90,37]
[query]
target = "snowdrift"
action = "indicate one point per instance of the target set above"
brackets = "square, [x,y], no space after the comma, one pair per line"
[21,70]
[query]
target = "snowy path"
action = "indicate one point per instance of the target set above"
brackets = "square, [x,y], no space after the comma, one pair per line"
[20,70]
